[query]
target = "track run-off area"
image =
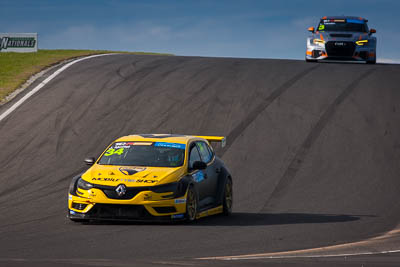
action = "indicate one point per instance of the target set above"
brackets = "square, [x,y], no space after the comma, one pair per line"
[313,148]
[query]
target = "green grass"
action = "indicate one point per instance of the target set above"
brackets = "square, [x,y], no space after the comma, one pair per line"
[16,68]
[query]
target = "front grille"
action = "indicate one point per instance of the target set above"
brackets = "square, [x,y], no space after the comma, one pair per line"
[79,206]
[131,192]
[340,49]
[165,209]
[115,211]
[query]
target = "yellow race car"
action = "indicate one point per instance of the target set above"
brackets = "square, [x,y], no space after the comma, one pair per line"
[153,177]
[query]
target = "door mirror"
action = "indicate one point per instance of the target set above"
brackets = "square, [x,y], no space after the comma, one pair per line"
[90,161]
[311,29]
[199,165]
[371,31]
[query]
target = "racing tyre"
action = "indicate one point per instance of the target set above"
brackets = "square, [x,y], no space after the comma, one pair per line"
[228,198]
[311,60]
[79,220]
[191,205]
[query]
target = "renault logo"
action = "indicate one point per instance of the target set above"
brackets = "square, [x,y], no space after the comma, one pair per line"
[121,190]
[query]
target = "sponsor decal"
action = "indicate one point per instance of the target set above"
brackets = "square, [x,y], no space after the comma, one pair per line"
[180,201]
[113,151]
[177,216]
[118,147]
[106,179]
[121,145]
[333,21]
[129,144]
[131,170]
[127,180]
[355,21]
[160,135]
[146,181]
[172,145]
[198,176]
[139,143]
[17,42]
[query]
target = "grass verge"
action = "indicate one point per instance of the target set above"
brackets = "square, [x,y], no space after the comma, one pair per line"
[16,68]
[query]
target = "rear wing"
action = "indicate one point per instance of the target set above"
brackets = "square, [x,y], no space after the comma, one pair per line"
[219,139]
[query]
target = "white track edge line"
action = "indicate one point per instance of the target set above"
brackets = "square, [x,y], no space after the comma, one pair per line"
[311,253]
[43,83]
[302,256]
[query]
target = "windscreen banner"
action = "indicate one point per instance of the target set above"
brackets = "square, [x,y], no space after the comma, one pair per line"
[18,42]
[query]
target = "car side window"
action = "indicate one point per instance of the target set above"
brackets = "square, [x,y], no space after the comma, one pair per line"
[211,151]
[193,156]
[204,152]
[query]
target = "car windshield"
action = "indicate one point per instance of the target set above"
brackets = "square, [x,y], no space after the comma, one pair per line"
[331,25]
[149,154]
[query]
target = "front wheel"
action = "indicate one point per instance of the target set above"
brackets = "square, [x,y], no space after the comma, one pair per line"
[311,60]
[191,204]
[228,198]
[79,220]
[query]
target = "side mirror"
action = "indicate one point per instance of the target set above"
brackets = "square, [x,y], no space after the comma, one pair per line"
[199,165]
[371,31]
[90,161]
[311,29]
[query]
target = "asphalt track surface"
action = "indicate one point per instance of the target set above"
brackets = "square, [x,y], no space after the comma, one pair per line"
[313,148]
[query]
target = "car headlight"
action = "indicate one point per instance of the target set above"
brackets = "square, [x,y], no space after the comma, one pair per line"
[72,185]
[176,189]
[165,188]
[362,42]
[82,184]
[319,42]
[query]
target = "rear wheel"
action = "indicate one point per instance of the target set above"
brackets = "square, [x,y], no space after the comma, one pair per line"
[228,198]
[191,204]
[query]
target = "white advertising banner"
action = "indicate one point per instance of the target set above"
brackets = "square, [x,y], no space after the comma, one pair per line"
[18,42]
